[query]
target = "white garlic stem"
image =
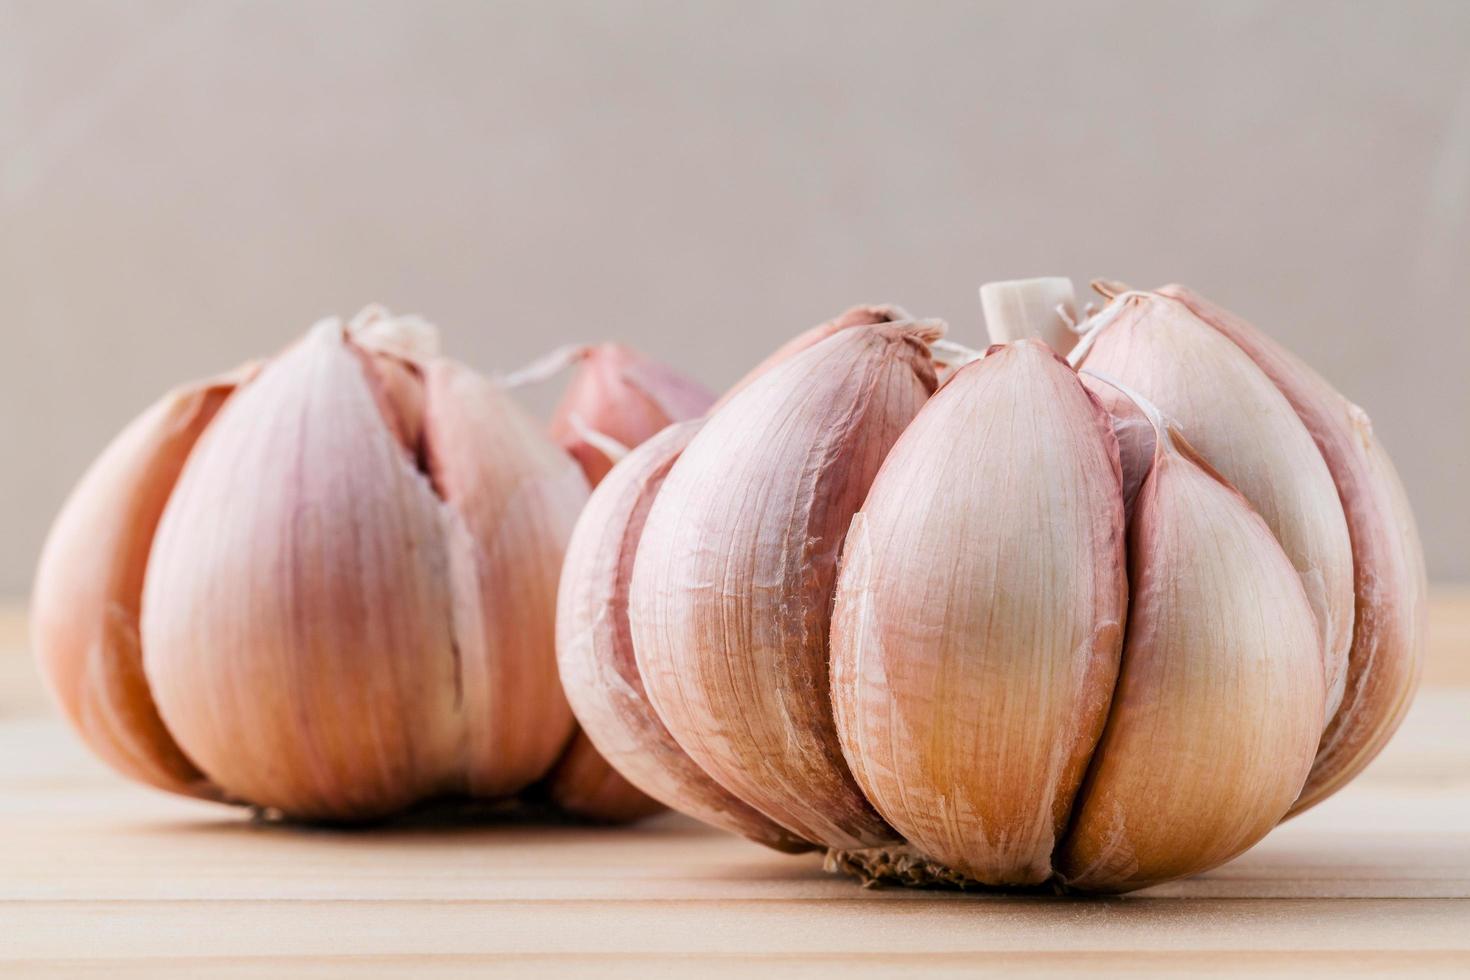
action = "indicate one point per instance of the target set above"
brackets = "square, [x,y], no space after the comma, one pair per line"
[1044,308]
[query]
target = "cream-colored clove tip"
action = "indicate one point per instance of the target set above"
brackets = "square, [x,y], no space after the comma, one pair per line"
[409,336]
[1045,307]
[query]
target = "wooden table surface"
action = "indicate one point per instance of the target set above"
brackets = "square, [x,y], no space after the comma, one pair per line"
[98,875]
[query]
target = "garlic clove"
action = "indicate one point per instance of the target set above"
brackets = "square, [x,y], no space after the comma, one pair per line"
[624,395]
[1045,308]
[732,586]
[979,615]
[1390,628]
[1220,698]
[89,586]
[856,316]
[296,624]
[584,785]
[595,649]
[1240,422]
[512,498]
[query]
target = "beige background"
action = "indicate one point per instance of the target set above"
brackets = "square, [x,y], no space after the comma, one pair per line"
[186,184]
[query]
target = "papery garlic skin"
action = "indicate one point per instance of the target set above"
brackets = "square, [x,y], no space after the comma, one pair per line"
[617,399]
[595,648]
[1390,630]
[733,581]
[979,615]
[1238,421]
[856,316]
[622,395]
[584,785]
[510,502]
[88,589]
[300,551]
[1220,699]
[328,588]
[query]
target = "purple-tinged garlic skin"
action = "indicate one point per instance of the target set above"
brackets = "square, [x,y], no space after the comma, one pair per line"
[856,316]
[626,396]
[1220,698]
[595,648]
[89,589]
[980,613]
[732,586]
[326,588]
[1390,626]
[1234,417]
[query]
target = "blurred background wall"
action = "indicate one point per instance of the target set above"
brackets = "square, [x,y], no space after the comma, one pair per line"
[185,184]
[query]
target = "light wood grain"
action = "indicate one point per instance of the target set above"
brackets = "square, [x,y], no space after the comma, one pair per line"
[98,876]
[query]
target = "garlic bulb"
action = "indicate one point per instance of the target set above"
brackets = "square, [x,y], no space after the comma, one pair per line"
[1389,631]
[619,394]
[979,616]
[732,584]
[1062,646]
[326,588]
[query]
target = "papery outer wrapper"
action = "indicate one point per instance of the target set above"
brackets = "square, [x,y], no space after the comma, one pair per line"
[624,395]
[88,589]
[732,586]
[595,648]
[980,613]
[1390,630]
[857,316]
[297,631]
[1237,420]
[511,500]
[1221,695]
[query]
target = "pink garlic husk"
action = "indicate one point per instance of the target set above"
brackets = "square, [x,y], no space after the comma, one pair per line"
[1390,629]
[595,649]
[325,588]
[619,394]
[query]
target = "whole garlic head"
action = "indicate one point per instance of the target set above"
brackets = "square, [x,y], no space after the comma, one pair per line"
[324,585]
[1020,628]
